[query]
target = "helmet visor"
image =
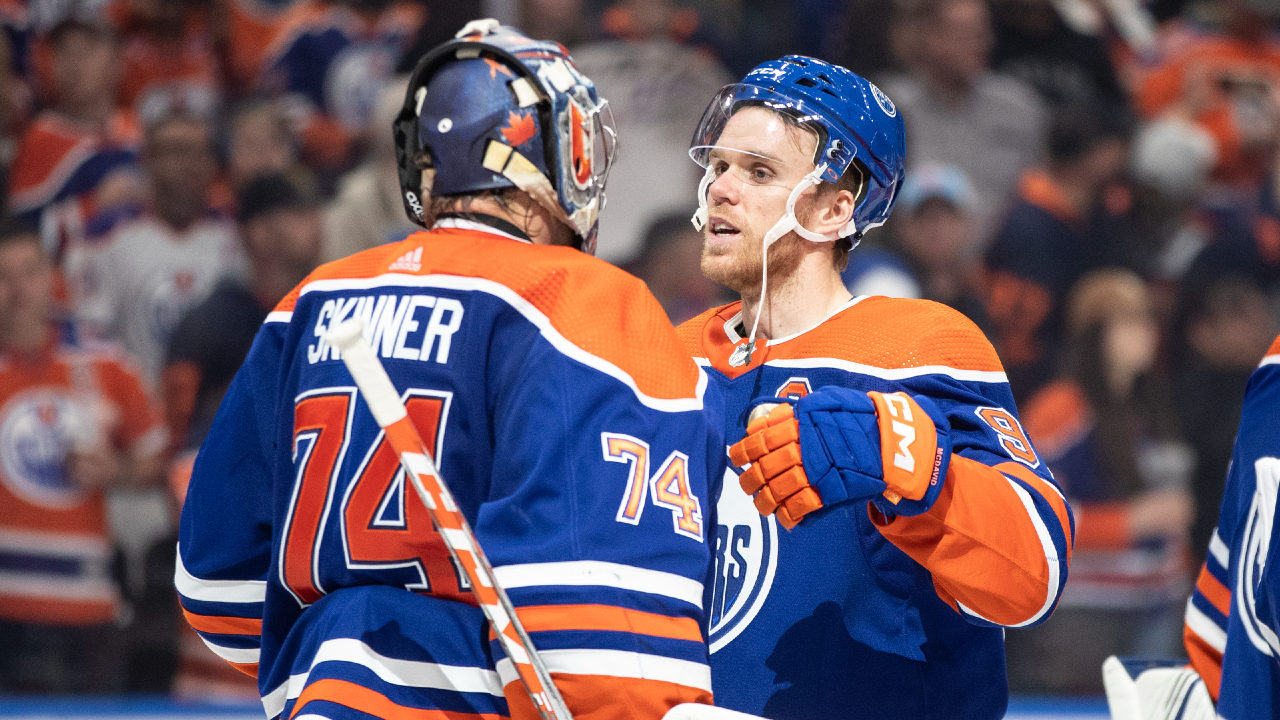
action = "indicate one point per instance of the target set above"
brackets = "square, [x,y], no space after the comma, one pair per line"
[594,144]
[781,129]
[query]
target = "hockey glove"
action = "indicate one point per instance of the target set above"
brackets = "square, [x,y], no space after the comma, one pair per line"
[839,444]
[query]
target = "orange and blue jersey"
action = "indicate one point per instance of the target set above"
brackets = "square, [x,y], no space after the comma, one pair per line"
[897,618]
[581,442]
[332,62]
[1233,615]
[55,551]
[58,166]
[1111,568]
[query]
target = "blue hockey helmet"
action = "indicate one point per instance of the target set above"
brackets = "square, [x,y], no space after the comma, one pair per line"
[856,124]
[495,109]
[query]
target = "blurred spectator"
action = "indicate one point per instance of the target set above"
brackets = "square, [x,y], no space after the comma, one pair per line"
[958,112]
[1227,83]
[671,265]
[14,105]
[1067,67]
[169,59]
[330,59]
[368,210]
[260,141]
[641,20]
[933,252]
[76,421]
[657,90]
[1058,229]
[280,227]
[1224,330]
[559,20]
[78,157]
[868,37]
[143,266]
[444,19]
[1106,428]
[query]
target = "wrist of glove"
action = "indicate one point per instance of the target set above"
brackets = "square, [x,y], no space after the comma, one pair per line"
[838,445]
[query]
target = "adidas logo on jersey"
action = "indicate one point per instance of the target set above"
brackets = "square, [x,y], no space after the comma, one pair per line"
[411,261]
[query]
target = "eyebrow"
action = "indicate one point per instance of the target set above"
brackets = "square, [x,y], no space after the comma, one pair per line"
[754,154]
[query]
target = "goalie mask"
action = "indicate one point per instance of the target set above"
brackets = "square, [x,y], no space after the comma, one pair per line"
[494,109]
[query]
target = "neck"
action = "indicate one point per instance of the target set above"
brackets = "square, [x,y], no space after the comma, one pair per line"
[24,337]
[93,110]
[951,89]
[809,295]
[270,282]
[1077,188]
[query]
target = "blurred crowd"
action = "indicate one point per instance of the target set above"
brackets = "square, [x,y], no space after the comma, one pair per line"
[1092,182]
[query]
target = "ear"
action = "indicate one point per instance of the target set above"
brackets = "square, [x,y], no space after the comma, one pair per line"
[832,210]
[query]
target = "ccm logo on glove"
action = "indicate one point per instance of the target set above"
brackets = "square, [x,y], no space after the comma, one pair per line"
[839,444]
[904,424]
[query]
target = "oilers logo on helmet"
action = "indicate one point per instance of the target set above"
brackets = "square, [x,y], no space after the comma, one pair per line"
[883,100]
[746,562]
[1255,543]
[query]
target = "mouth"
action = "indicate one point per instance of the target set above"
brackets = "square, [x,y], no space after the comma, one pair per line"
[721,231]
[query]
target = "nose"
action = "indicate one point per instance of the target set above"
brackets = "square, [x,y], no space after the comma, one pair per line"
[725,189]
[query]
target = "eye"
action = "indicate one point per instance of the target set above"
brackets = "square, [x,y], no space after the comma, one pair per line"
[762,174]
[719,167]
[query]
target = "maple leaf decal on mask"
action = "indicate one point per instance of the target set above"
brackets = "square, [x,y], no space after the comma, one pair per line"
[519,129]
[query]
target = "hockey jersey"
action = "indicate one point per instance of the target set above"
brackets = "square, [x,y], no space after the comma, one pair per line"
[55,552]
[1233,615]
[58,165]
[136,276]
[852,612]
[581,443]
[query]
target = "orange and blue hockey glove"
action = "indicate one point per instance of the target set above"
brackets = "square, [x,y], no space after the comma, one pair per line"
[839,444]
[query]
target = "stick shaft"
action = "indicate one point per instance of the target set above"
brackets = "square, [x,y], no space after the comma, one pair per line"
[420,469]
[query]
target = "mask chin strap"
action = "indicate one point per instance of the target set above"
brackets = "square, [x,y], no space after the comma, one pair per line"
[787,223]
[699,218]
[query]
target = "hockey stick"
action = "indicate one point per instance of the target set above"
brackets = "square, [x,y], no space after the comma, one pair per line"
[419,467]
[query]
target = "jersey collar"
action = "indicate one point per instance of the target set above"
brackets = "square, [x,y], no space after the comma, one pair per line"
[482,223]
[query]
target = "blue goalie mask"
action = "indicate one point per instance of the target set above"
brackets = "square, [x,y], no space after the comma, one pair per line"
[494,109]
[858,129]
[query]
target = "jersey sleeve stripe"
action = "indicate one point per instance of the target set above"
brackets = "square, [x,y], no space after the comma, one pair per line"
[407,673]
[1052,495]
[279,316]
[373,703]
[1213,635]
[235,656]
[604,574]
[228,591]
[1214,591]
[1218,550]
[223,625]
[1053,588]
[618,663]
[543,618]
[1270,360]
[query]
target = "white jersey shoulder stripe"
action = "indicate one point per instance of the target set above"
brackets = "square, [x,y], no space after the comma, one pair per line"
[1050,555]
[406,673]
[983,376]
[1219,551]
[618,663]
[525,308]
[1204,626]
[1270,360]
[278,316]
[606,574]
[229,591]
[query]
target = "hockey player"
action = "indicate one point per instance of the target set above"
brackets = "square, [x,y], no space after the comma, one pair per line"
[917,519]
[581,442]
[1233,616]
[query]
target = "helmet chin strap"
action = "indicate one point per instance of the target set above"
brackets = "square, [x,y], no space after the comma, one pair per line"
[787,223]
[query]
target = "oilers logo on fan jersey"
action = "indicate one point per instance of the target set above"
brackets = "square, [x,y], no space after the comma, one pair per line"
[38,428]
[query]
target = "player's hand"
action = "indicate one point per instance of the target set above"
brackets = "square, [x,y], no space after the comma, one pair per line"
[829,450]
[95,467]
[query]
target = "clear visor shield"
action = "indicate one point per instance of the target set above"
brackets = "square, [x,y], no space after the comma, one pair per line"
[771,126]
